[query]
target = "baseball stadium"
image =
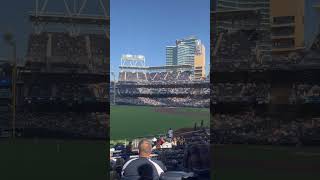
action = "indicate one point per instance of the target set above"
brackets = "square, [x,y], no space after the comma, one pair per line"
[54,95]
[265,89]
[146,103]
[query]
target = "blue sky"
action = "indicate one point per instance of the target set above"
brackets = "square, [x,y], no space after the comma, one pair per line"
[14,18]
[147,26]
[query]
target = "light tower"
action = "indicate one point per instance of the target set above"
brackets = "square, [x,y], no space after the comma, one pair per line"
[130,60]
[132,63]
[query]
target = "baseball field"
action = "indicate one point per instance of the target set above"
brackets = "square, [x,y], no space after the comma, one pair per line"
[49,159]
[129,122]
[229,162]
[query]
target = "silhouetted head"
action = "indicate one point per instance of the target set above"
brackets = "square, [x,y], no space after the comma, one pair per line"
[145,148]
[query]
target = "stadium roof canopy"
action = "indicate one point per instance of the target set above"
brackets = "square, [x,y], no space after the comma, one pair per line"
[68,19]
[156,68]
[74,16]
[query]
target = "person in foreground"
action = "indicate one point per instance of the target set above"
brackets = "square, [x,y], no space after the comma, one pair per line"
[143,167]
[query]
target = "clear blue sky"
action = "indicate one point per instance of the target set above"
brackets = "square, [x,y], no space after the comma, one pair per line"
[14,18]
[147,26]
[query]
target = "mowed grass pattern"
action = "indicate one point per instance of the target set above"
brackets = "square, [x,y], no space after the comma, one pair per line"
[44,159]
[129,122]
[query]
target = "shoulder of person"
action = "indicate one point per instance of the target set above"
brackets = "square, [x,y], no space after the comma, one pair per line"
[160,164]
[131,162]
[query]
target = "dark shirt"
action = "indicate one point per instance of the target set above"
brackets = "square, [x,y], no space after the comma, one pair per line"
[119,147]
[142,169]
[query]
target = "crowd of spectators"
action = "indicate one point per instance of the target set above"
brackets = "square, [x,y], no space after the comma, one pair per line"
[65,54]
[64,45]
[188,152]
[166,101]
[69,91]
[236,45]
[98,44]
[155,76]
[305,93]
[240,48]
[187,94]
[69,124]
[37,45]
[132,90]
[241,92]
[249,128]
[68,46]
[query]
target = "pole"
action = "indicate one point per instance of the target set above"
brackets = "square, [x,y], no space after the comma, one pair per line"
[114,89]
[14,74]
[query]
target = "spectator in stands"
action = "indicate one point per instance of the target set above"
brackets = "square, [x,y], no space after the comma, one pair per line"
[154,141]
[118,166]
[170,134]
[112,161]
[174,142]
[128,150]
[129,147]
[143,167]
[114,175]
[180,141]
[160,142]
[119,147]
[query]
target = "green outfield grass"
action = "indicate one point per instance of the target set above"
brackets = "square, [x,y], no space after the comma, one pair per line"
[45,160]
[128,122]
[246,162]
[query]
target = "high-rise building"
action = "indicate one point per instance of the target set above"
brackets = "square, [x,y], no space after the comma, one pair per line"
[288,29]
[171,55]
[199,62]
[287,25]
[294,28]
[188,51]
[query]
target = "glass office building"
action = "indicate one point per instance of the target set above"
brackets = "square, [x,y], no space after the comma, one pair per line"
[171,55]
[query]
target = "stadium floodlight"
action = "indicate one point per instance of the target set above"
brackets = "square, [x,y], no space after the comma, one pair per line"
[133,63]
[127,56]
[130,60]
[140,57]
